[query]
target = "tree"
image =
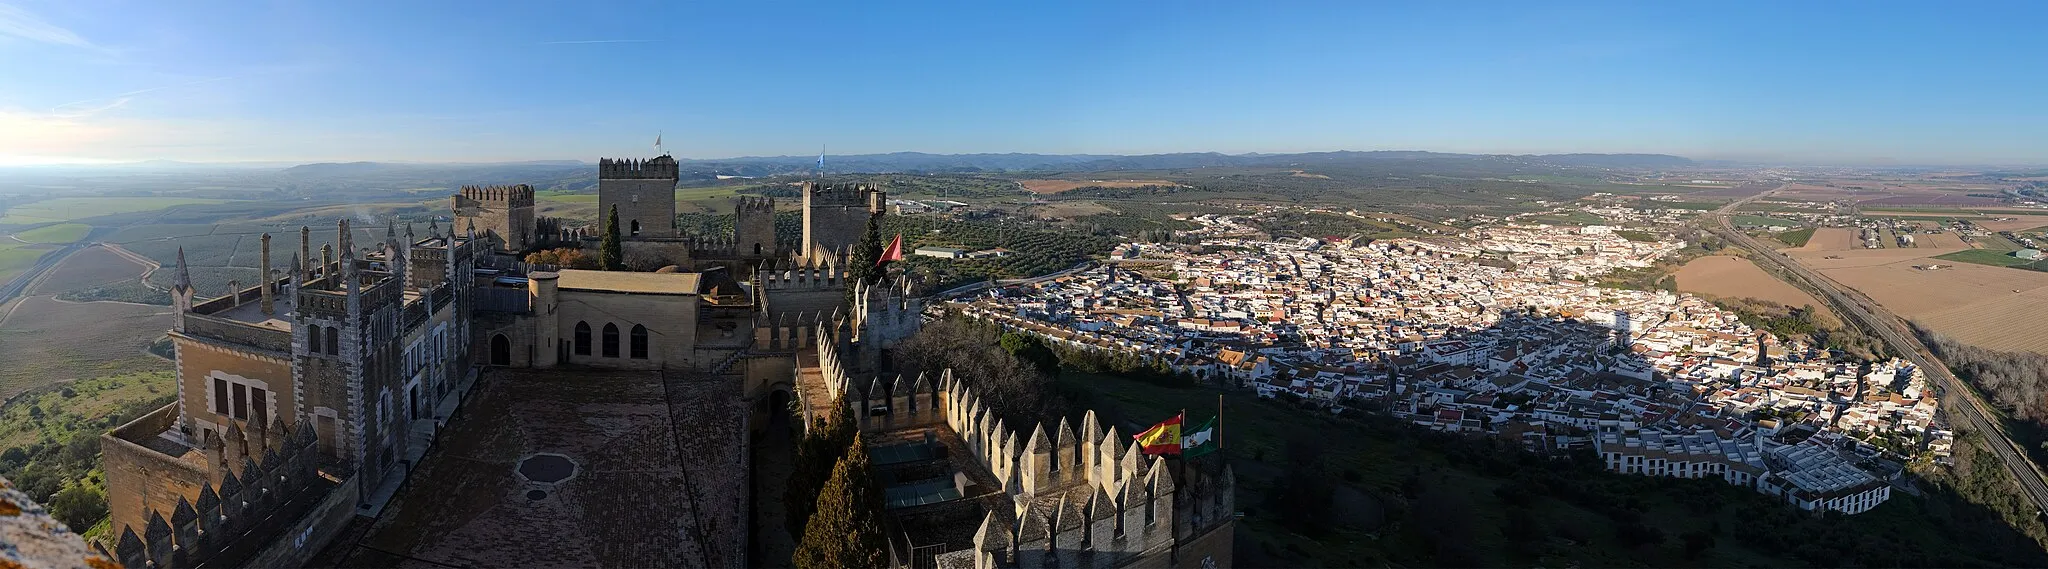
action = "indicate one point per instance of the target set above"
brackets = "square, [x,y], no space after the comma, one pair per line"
[821,448]
[610,253]
[846,531]
[1030,349]
[865,254]
[565,257]
[78,506]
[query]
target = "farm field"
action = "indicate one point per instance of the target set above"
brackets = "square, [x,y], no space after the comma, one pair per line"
[1762,220]
[1831,239]
[55,234]
[1736,277]
[1975,304]
[1994,258]
[70,209]
[1056,186]
[45,340]
[89,267]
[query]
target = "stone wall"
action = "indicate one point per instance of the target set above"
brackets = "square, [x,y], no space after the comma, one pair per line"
[643,191]
[501,212]
[141,480]
[753,227]
[836,216]
[1084,496]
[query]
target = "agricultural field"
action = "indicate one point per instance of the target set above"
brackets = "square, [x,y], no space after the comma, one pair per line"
[87,268]
[1796,237]
[45,340]
[1043,186]
[72,209]
[16,257]
[1758,220]
[1831,239]
[1736,277]
[58,234]
[1995,258]
[1988,307]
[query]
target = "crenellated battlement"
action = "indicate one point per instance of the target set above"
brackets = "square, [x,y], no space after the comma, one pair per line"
[262,471]
[1084,495]
[657,168]
[518,195]
[754,204]
[839,194]
[804,275]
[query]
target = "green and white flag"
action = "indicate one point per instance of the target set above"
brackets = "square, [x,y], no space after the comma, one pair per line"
[1200,440]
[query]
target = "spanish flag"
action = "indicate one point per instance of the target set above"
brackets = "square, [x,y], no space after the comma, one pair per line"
[1163,438]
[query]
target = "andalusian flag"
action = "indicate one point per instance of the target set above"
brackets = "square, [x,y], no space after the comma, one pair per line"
[1200,440]
[1163,438]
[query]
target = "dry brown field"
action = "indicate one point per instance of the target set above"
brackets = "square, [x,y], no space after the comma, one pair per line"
[1830,239]
[1057,186]
[1948,241]
[1071,209]
[2016,223]
[1869,257]
[1974,304]
[89,267]
[1736,277]
[44,340]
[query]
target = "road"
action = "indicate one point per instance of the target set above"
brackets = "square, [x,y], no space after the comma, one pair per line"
[48,260]
[978,287]
[1975,413]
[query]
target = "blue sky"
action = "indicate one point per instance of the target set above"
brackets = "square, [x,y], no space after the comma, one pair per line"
[201,80]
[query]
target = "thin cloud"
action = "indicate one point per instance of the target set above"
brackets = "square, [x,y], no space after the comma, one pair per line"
[566,42]
[88,107]
[19,23]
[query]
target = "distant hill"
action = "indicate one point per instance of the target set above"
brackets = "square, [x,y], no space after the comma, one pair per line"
[919,162]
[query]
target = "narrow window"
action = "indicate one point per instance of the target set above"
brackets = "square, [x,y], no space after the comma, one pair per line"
[636,227]
[611,340]
[333,342]
[757,249]
[313,339]
[241,402]
[582,338]
[639,342]
[220,397]
[258,405]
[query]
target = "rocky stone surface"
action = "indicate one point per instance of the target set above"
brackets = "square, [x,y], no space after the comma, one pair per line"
[31,539]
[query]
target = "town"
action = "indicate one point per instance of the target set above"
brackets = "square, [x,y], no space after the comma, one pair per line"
[1656,383]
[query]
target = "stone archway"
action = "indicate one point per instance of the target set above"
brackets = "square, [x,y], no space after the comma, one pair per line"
[501,350]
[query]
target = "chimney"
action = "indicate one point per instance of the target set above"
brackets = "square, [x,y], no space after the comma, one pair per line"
[327,261]
[269,281]
[305,253]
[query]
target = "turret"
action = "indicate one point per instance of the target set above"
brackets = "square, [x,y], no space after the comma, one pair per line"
[181,293]
[268,281]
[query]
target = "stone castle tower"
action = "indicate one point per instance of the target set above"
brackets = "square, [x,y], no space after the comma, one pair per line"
[753,227]
[502,212]
[836,216]
[643,190]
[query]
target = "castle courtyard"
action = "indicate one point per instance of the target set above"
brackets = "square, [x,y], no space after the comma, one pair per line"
[575,468]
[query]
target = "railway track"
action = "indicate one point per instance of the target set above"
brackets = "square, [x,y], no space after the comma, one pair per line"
[1975,412]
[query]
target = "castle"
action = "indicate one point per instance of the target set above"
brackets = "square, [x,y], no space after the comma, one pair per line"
[307,404]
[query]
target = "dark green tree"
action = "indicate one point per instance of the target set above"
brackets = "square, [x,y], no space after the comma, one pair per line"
[611,255]
[1030,349]
[846,530]
[866,252]
[78,506]
[821,448]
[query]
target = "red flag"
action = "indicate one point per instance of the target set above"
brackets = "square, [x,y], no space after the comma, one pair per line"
[893,253]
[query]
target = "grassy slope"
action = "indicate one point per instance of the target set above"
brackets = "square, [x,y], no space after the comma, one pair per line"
[1994,258]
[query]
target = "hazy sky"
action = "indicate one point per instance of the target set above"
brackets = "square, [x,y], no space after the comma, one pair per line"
[1932,82]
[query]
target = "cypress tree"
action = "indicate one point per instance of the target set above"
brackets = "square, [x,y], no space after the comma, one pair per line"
[846,531]
[821,448]
[866,253]
[610,255]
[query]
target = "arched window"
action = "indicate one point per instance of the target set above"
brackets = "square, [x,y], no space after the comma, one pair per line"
[636,227]
[333,341]
[639,342]
[611,340]
[757,249]
[312,339]
[582,338]
[501,350]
